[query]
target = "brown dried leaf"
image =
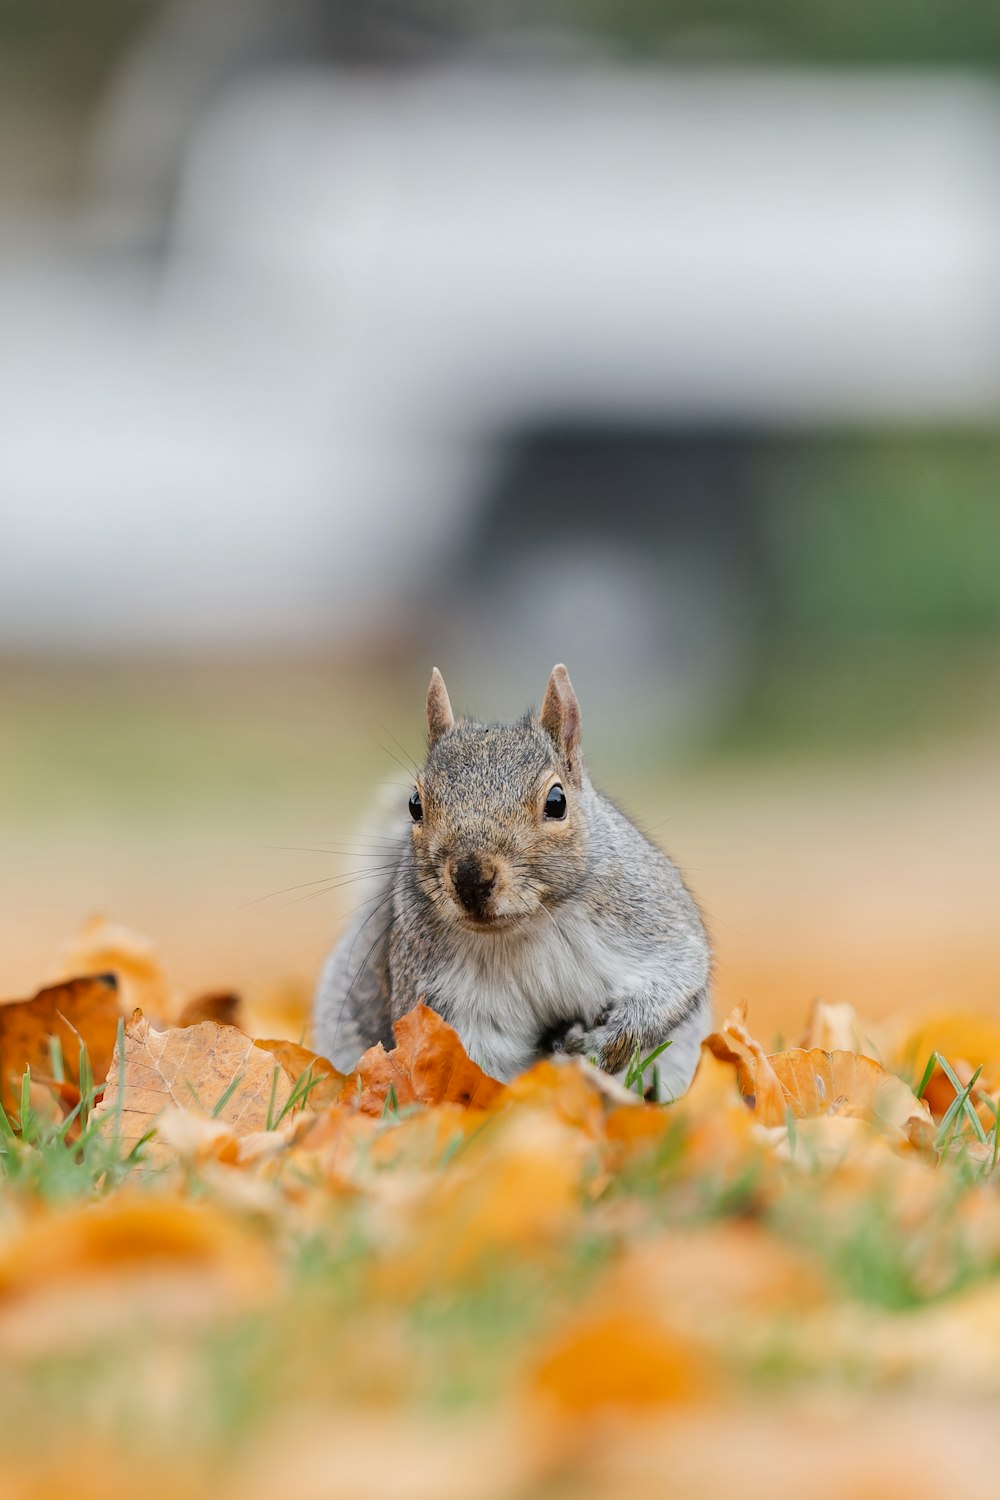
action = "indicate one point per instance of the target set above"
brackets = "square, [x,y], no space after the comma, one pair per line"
[221,1006]
[428,1065]
[192,1067]
[83,1008]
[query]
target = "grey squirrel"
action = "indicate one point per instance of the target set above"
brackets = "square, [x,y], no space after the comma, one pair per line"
[524,908]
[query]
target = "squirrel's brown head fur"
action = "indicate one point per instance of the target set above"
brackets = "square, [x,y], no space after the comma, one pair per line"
[499,830]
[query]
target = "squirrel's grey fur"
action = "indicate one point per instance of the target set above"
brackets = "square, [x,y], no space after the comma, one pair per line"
[529,934]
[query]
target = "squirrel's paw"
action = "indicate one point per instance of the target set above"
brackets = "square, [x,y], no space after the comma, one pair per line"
[577,1039]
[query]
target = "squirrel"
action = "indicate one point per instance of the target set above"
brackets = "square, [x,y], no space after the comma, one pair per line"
[527,910]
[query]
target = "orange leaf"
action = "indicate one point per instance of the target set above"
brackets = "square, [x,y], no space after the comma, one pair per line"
[84,1009]
[126,1230]
[817,1083]
[758,1083]
[575,1091]
[961,1039]
[72,1278]
[620,1360]
[428,1065]
[516,1188]
[296,1060]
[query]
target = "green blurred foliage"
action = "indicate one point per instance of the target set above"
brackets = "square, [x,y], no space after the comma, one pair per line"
[77,40]
[922,32]
[881,594]
[66,48]
[889,534]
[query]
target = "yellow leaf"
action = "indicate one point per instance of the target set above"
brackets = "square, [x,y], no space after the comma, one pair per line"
[515,1188]
[959,1038]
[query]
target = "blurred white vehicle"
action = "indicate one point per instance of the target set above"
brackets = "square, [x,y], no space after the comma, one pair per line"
[303,418]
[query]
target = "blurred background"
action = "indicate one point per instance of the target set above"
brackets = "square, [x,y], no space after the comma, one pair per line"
[342,337]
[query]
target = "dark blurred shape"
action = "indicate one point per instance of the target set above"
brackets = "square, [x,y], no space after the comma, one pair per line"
[635,553]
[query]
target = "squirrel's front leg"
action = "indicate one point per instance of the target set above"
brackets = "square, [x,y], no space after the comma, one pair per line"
[631,1029]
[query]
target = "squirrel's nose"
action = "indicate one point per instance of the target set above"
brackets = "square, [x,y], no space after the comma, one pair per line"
[473,880]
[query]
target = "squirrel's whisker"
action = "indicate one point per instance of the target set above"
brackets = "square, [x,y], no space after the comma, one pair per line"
[401,764]
[402,749]
[339,882]
[321,880]
[359,851]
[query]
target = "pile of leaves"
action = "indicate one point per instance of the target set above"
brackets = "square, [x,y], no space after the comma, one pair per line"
[227,1268]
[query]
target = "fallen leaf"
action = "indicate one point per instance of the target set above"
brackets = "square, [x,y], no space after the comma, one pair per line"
[813,1082]
[515,1187]
[84,1010]
[964,1040]
[833,1028]
[730,1272]
[221,1006]
[105,947]
[131,1228]
[384,1454]
[136,1258]
[325,1084]
[939,1095]
[817,1082]
[621,1360]
[428,1065]
[216,1070]
[576,1091]
[196,1137]
[758,1084]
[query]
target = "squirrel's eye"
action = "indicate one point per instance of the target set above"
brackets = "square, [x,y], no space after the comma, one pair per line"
[416,806]
[555,802]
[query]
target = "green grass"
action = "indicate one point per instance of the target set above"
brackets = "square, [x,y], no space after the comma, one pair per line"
[69,1159]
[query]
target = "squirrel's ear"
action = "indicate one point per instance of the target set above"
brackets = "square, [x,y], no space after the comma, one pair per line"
[439,715]
[560,717]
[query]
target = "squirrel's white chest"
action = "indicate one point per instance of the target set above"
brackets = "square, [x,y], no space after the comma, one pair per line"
[502,992]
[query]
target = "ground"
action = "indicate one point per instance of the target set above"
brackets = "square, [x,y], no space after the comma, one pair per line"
[412,1281]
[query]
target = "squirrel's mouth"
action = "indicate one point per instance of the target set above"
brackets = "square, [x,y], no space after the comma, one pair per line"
[487,921]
